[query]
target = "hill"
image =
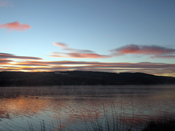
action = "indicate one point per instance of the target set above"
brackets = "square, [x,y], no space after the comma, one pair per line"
[80,78]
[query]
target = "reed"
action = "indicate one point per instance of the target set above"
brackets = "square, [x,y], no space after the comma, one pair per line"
[93,122]
[110,121]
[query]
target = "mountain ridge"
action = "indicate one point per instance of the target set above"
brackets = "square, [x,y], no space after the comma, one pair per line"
[81,78]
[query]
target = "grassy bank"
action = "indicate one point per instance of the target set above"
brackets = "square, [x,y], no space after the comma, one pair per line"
[161,125]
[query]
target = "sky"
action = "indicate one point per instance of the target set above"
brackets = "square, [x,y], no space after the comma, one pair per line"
[89,35]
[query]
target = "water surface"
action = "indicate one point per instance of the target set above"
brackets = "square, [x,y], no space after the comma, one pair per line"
[81,108]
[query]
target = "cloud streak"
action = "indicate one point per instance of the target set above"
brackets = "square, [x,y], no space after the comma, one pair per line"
[5,61]
[153,51]
[8,61]
[67,48]
[15,26]
[11,56]
[146,67]
[76,53]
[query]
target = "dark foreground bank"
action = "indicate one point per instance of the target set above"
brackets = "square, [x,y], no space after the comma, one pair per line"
[163,125]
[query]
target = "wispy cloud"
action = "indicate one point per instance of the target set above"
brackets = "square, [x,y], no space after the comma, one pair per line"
[11,56]
[15,26]
[153,51]
[146,67]
[76,53]
[5,61]
[67,48]
[28,63]
[62,45]
[4,3]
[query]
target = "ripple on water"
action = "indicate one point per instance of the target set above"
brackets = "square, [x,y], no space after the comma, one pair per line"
[127,107]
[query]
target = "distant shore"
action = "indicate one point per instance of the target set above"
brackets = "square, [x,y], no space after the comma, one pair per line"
[84,90]
[80,78]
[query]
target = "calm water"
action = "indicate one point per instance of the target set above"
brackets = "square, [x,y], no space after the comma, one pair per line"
[129,105]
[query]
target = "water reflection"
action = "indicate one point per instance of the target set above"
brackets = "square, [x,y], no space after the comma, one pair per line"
[4,114]
[75,111]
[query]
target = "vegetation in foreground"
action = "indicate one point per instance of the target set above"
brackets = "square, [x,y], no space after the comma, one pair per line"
[163,125]
[107,124]
[115,124]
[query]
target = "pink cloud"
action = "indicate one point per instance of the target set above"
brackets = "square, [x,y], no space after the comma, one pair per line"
[64,46]
[29,63]
[87,55]
[15,26]
[76,53]
[154,51]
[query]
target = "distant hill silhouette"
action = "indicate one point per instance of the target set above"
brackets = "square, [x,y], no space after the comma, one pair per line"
[80,78]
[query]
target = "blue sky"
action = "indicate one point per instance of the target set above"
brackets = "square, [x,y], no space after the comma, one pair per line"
[113,31]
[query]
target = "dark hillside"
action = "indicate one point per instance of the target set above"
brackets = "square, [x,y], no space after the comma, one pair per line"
[80,78]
